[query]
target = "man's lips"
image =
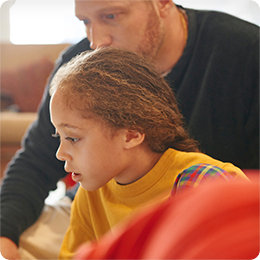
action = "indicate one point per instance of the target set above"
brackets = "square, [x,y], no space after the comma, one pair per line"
[76,176]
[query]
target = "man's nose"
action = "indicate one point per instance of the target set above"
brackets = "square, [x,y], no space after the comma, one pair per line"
[99,37]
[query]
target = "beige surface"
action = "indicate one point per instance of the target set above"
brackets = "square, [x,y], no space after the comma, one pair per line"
[16,56]
[43,239]
[14,125]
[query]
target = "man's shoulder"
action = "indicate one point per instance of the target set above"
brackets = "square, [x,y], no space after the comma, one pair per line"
[75,49]
[218,34]
[221,26]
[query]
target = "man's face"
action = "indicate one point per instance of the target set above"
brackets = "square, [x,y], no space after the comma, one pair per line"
[133,25]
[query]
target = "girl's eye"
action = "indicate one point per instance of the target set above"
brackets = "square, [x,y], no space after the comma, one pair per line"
[72,140]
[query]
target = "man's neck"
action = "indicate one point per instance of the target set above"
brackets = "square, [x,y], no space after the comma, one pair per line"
[176,33]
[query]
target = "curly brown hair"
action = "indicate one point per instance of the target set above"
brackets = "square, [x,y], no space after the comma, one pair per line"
[124,91]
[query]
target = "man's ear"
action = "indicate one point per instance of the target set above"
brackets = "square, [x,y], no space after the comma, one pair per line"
[164,7]
[133,138]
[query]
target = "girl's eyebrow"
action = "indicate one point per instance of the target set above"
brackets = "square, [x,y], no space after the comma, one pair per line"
[65,125]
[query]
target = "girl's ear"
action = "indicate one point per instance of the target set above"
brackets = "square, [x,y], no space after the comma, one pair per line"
[133,138]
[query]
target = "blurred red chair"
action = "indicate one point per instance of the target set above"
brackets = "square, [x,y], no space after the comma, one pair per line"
[214,221]
[252,173]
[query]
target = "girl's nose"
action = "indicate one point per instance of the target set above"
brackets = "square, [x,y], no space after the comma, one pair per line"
[61,154]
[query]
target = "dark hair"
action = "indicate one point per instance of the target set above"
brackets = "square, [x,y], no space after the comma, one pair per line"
[124,91]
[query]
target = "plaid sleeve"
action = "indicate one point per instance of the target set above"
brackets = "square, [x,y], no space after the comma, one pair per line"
[194,175]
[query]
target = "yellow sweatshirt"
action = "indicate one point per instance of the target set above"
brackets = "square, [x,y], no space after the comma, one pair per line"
[94,213]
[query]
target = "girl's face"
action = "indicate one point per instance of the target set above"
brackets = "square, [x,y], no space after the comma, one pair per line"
[87,147]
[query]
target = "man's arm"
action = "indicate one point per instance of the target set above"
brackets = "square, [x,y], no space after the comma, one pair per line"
[251,79]
[31,174]
[34,170]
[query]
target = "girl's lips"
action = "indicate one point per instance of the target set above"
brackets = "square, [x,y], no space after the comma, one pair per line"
[76,177]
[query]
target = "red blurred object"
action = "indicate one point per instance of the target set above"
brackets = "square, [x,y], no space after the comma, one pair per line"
[252,173]
[215,221]
[68,181]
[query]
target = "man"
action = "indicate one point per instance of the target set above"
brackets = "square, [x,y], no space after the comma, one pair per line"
[210,60]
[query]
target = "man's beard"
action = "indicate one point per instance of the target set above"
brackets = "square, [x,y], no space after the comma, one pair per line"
[152,39]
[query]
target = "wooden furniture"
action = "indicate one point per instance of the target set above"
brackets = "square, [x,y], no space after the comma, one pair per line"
[12,129]
[24,72]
